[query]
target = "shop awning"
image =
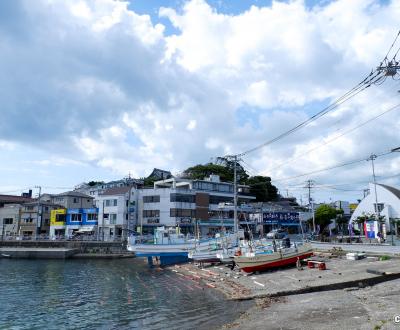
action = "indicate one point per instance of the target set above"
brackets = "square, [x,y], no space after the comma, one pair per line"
[86,229]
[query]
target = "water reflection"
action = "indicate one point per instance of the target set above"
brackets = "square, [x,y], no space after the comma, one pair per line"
[105,294]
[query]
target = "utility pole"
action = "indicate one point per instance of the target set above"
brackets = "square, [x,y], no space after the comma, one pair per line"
[38,214]
[372,158]
[310,184]
[235,219]
[390,69]
[102,224]
[235,159]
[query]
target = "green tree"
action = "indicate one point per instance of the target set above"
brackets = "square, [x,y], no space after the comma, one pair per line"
[94,183]
[323,215]
[149,181]
[225,172]
[360,222]
[262,189]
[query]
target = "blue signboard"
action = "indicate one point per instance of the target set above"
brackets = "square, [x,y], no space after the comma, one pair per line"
[281,218]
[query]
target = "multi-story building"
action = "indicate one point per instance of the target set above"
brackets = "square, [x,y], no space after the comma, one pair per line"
[117,212]
[343,205]
[95,189]
[70,222]
[35,218]
[187,204]
[73,200]
[58,219]
[81,221]
[11,199]
[10,216]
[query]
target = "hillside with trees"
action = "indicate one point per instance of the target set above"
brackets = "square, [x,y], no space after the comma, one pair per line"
[260,186]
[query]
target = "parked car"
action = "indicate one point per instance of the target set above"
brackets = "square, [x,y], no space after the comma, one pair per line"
[277,233]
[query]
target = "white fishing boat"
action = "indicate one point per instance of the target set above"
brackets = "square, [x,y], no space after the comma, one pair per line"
[223,242]
[170,246]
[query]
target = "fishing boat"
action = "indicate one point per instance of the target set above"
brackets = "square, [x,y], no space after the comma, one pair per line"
[272,258]
[170,246]
[226,256]
[202,253]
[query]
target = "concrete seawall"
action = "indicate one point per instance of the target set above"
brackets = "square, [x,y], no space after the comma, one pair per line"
[36,253]
[63,249]
[85,247]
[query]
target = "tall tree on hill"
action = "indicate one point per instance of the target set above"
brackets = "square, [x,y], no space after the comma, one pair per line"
[225,172]
[262,188]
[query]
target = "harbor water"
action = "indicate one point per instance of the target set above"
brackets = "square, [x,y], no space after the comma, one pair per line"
[106,294]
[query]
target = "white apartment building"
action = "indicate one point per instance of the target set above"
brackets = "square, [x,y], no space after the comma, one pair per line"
[187,204]
[10,216]
[117,212]
[99,188]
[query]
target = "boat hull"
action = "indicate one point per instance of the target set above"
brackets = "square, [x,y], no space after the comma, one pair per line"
[206,256]
[270,261]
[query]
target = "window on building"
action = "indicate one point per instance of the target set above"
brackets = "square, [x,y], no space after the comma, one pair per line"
[111,202]
[184,198]
[88,200]
[76,217]
[92,216]
[46,209]
[29,208]
[75,200]
[220,199]
[105,216]
[151,199]
[28,220]
[60,217]
[224,188]
[59,199]
[379,207]
[8,221]
[113,219]
[184,213]
[151,213]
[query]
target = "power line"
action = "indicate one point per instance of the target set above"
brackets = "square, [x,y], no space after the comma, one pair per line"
[387,54]
[337,137]
[331,167]
[367,82]
[375,77]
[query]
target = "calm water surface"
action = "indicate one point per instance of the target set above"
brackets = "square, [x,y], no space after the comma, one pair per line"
[105,294]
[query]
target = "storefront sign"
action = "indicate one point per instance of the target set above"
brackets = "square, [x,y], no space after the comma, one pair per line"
[281,218]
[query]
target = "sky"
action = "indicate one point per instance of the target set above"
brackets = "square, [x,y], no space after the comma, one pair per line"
[99,90]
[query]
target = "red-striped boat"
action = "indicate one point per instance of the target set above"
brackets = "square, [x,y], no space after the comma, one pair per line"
[263,260]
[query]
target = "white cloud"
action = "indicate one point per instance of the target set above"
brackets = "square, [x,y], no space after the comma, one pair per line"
[191,125]
[97,81]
